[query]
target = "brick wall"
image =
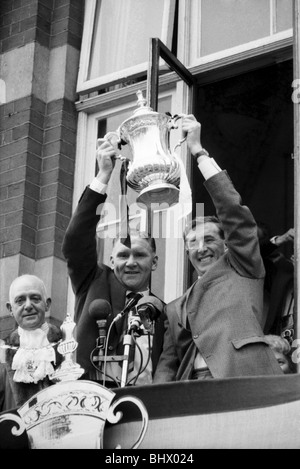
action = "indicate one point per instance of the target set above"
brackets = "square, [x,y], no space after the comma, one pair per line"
[39,55]
[25,21]
[56,181]
[20,169]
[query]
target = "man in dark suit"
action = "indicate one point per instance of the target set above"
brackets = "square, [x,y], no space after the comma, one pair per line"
[279,282]
[31,348]
[129,271]
[215,328]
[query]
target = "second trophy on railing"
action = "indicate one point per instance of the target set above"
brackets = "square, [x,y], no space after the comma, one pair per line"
[68,370]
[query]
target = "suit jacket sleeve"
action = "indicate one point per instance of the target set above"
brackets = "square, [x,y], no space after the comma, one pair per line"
[239,226]
[79,245]
[6,394]
[168,362]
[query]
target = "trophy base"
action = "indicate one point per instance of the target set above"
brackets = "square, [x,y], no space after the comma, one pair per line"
[163,193]
[67,372]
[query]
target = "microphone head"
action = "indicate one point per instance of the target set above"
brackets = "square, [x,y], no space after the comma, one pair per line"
[99,309]
[151,306]
[131,303]
[156,302]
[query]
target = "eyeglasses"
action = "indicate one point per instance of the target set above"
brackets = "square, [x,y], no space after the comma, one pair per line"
[200,243]
[191,244]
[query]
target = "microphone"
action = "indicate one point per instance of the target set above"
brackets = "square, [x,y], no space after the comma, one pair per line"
[131,303]
[134,321]
[149,309]
[99,310]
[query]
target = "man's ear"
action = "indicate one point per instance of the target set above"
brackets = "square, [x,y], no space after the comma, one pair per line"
[154,263]
[48,303]
[112,262]
[9,308]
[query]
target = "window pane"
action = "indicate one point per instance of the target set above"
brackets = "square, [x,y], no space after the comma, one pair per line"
[229,23]
[128,25]
[284,15]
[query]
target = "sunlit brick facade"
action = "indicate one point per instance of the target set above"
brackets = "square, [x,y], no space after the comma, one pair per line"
[39,55]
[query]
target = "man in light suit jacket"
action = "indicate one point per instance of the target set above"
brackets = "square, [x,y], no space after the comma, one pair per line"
[129,271]
[215,328]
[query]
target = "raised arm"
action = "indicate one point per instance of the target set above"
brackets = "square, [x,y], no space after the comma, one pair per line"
[237,221]
[79,244]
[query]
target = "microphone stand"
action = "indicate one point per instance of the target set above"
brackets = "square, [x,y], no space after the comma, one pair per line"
[100,344]
[133,326]
[127,343]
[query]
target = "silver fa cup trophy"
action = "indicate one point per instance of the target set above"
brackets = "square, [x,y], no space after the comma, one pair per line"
[154,171]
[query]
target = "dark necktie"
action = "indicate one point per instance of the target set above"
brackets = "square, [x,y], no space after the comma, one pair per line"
[129,296]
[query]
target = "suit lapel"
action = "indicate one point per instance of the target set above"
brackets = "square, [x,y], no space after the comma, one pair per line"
[117,299]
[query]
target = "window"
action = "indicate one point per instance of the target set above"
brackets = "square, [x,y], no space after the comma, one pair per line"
[227,27]
[116,36]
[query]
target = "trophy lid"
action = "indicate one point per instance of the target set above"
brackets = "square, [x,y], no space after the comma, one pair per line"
[143,108]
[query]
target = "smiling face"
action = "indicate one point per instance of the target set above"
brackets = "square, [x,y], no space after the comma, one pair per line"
[132,266]
[28,302]
[205,246]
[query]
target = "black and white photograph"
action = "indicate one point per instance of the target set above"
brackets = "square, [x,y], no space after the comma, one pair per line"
[149,227]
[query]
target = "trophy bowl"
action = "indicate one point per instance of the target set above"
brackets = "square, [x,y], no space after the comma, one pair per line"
[154,172]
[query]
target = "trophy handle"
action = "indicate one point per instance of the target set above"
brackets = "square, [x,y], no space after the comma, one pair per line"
[175,126]
[113,417]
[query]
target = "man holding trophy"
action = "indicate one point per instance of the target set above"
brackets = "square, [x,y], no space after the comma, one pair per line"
[129,273]
[215,329]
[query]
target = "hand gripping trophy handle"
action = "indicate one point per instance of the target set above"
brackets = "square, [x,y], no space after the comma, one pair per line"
[114,139]
[175,126]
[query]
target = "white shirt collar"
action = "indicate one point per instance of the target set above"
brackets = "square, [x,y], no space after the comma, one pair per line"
[144,292]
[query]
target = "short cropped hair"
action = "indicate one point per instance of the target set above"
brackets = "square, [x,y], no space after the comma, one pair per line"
[277,343]
[207,219]
[138,234]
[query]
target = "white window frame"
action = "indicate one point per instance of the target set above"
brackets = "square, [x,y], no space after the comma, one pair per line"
[187,52]
[84,85]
